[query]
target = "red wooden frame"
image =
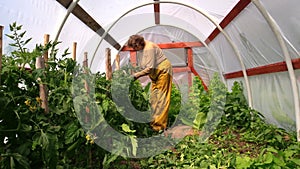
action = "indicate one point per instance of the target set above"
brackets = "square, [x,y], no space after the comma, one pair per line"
[271,68]
[190,65]
[236,10]
[242,4]
[172,45]
[133,58]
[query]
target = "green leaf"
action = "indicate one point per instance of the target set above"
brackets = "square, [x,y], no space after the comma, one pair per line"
[12,163]
[22,160]
[10,36]
[134,144]
[26,127]
[243,162]
[279,138]
[289,153]
[19,27]
[27,41]
[72,133]
[200,120]
[74,145]
[268,158]
[272,149]
[279,161]
[296,161]
[126,128]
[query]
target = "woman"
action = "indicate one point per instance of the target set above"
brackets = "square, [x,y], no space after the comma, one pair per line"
[155,64]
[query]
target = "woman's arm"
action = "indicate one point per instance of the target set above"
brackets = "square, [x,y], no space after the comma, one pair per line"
[144,72]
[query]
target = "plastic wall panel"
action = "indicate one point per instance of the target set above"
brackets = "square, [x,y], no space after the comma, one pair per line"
[225,54]
[257,44]
[288,20]
[272,98]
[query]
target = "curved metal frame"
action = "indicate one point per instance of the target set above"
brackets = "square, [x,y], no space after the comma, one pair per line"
[276,30]
[69,10]
[210,19]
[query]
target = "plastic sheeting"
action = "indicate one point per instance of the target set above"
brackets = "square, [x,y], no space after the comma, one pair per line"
[272,94]
[272,97]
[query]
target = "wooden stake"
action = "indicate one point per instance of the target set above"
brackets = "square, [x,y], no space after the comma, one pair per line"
[74,51]
[46,41]
[85,59]
[40,64]
[1,44]
[85,66]
[108,64]
[118,62]
[86,85]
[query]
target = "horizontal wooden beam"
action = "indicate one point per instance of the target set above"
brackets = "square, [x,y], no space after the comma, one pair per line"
[180,45]
[82,15]
[181,69]
[172,45]
[242,4]
[271,68]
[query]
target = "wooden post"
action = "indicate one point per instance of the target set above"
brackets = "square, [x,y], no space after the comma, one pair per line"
[1,44]
[108,64]
[85,59]
[46,41]
[191,66]
[118,62]
[86,86]
[85,66]
[40,64]
[74,51]
[133,60]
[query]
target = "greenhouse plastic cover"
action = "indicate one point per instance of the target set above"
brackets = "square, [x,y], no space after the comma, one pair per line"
[273,94]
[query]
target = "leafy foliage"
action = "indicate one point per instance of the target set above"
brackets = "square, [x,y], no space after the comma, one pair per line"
[242,139]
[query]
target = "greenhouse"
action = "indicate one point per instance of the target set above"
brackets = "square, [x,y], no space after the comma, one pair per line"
[149,84]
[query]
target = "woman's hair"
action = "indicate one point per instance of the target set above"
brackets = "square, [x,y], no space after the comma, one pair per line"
[136,41]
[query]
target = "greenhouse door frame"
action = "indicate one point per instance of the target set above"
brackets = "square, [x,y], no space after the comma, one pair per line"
[190,69]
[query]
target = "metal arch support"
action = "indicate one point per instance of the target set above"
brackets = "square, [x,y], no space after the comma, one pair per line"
[276,30]
[210,19]
[69,10]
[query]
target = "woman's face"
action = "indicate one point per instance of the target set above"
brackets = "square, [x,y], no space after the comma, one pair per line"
[138,47]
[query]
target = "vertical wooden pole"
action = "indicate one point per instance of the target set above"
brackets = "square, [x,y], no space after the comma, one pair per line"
[191,66]
[85,66]
[74,51]
[86,86]
[46,41]
[40,64]
[133,58]
[85,59]
[108,64]
[118,62]
[1,45]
